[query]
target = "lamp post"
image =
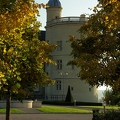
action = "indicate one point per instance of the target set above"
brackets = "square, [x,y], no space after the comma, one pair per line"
[104,104]
[63,75]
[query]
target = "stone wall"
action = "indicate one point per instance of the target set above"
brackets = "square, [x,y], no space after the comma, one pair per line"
[23,104]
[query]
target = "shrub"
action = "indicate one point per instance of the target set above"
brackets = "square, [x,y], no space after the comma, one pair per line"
[53,102]
[109,115]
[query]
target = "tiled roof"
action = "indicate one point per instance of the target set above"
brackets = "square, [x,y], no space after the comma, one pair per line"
[55,3]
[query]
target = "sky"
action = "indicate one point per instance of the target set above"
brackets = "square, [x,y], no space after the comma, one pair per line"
[70,8]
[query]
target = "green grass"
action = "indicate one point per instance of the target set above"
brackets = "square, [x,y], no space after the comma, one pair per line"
[56,109]
[100,107]
[13,110]
[62,109]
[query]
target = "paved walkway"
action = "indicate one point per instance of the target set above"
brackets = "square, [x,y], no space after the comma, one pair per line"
[48,116]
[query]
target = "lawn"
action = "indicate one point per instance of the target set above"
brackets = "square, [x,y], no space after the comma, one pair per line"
[63,109]
[77,109]
[58,109]
[100,107]
[13,110]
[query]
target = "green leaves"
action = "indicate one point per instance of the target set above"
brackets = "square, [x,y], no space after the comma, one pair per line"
[18,78]
[17,85]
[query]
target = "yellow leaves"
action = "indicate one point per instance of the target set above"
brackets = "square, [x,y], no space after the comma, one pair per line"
[99,45]
[1,75]
[106,21]
[4,51]
[108,2]
[47,6]
[2,16]
[95,9]
[43,5]
[11,50]
[6,12]
[2,78]
[16,18]
[110,8]
[106,18]
[109,26]
[112,1]
[31,14]
[72,37]
[22,54]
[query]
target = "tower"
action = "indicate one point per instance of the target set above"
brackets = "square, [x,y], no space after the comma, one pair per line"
[54,10]
[58,30]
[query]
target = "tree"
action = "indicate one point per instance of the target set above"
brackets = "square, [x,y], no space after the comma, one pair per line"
[97,52]
[108,95]
[111,97]
[22,55]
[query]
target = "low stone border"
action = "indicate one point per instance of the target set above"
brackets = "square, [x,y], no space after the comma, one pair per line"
[37,104]
[23,104]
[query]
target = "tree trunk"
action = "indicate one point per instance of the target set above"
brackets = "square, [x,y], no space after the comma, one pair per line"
[8,103]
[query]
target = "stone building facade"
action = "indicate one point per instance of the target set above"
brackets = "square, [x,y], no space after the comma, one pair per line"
[58,29]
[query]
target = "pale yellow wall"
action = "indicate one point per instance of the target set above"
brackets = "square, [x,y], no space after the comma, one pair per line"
[61,32]
[53,12]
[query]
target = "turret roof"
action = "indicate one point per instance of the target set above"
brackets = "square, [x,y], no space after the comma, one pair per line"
[54,3]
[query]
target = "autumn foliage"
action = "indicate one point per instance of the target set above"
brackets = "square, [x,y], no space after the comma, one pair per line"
[97,52]
[22,55]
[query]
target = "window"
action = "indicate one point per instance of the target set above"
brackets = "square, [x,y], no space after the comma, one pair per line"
[72,67]
[58,85]
[89,89]
[59,43]
[59,64]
